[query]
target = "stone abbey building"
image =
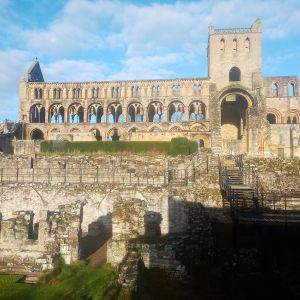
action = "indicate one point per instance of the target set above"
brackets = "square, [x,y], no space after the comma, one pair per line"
[234,110]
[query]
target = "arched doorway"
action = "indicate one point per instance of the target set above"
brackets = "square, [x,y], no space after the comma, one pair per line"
[233,116]
[37,134]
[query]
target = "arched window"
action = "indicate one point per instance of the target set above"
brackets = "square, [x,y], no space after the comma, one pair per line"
[176,88]
[136,91]
[155,89]
[222,45]
[38,93]
[135,112]
[176,112]
[115,92]
[95,113]
[275,89]
[234,74]
[76,93]
[271,118]
[197,111]
[247,44]
[234,48]
[115,113]
[155,112]
[291,89]
[56,113]
[37,114]
[75,113]
[95,93]
[57,93]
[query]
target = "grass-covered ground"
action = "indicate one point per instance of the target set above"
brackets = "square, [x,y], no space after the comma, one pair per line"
[73,282]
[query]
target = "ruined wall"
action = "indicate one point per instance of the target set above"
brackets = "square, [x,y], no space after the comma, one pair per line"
[277,174]
[29,244]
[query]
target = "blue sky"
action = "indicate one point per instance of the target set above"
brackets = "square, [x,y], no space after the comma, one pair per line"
[81,40]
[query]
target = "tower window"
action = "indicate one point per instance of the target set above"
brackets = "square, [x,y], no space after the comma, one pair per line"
[222,45]
[234,45]
[234,74]
[247,44]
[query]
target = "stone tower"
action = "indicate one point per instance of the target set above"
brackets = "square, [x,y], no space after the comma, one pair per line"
[237,47]
[237,105]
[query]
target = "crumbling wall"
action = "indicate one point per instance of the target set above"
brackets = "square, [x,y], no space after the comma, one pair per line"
[277,174]
[26,247]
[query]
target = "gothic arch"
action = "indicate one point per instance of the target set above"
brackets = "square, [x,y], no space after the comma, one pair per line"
[75,113]
[56,113]
[37,113]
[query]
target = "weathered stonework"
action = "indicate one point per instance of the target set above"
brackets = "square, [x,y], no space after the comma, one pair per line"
[229,111]
[30,244]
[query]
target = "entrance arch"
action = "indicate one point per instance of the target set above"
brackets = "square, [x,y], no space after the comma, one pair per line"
[234,108]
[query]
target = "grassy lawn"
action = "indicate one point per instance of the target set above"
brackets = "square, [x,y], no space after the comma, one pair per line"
[69,282]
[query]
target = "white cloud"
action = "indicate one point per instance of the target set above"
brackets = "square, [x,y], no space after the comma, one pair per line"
[74,70]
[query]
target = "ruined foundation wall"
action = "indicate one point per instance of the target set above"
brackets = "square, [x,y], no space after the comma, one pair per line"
[27,246]
[277,175]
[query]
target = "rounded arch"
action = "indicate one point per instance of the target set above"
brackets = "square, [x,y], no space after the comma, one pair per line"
[56,113]
[202,140]
[198,127]
[75,113]
[197,111]
[293,116]
[234,105]
[155,128]
[277,116]
[113,134]
[155,112]
[54,130]
[135,112]
[37,113]
[175,128]
[96,133]
[235,74]
[37,134]
[75,129]
[176,111]
[95,113]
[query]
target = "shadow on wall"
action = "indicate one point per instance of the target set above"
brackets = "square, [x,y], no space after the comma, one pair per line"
[93,243]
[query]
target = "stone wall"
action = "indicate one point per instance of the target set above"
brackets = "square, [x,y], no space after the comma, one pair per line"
[277,175]
[30,244]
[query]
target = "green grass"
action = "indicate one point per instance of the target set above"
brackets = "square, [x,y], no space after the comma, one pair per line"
[69,282]
[178,146]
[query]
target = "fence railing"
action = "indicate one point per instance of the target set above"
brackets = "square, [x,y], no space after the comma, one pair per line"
[280,207]
[94,176]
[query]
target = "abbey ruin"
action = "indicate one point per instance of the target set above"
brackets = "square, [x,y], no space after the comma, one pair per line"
[158,210]
[235,109]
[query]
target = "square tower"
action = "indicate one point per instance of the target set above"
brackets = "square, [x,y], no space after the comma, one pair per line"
[234,55]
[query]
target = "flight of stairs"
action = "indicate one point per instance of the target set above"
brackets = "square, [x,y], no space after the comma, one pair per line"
[243,193]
